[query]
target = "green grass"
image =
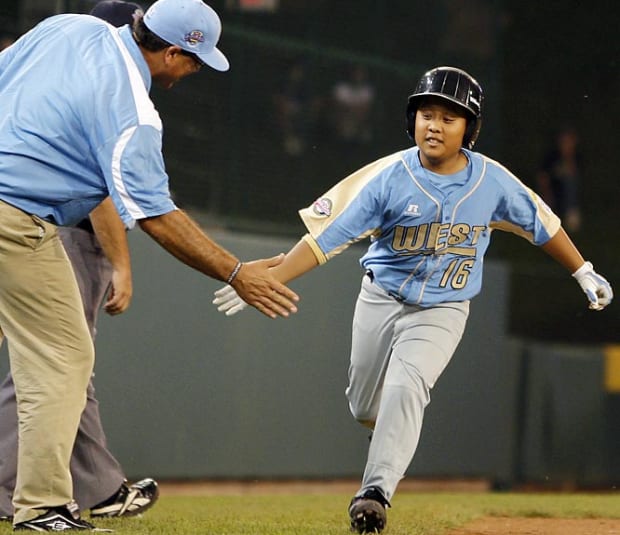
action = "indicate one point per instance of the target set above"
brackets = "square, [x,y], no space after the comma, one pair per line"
[309,514]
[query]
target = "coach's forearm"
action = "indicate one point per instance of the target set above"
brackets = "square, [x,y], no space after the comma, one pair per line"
[111,235]
[183,238]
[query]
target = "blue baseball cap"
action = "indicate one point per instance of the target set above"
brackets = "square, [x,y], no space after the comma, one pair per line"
[191,25]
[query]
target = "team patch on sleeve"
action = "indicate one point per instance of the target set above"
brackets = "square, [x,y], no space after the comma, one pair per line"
[322,207]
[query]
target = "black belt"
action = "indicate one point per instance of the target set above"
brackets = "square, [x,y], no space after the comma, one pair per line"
[371,276]
[86,225]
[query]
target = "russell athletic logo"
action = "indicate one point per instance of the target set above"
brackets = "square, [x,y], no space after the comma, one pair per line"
[413,210]
[322,207]
[194,37]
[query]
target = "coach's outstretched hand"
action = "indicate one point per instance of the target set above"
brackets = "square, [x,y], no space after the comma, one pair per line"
[255,285]
[254,281]
[597,288]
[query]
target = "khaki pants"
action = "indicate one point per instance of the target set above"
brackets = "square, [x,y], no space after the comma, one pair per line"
[51,357]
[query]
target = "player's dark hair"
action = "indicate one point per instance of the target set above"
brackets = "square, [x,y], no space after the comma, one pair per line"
[151,42]
[146,38]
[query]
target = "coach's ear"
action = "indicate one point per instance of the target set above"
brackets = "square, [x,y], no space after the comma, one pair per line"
[172,54]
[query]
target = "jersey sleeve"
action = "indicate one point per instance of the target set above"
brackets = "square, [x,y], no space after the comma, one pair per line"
[316,249]
[349,212]
[523,212]
[137,177]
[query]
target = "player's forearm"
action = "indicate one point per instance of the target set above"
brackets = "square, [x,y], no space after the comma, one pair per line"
[563,250]
[299,260]
[183,238]
[112,235]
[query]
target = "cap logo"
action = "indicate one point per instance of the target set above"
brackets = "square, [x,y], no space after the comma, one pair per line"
[194,37]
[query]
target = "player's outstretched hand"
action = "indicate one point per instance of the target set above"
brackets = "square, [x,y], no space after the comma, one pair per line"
[227,301]
[258,287]
[595,286]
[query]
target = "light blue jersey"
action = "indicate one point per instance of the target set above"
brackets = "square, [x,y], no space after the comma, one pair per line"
[77,123]
[427,242]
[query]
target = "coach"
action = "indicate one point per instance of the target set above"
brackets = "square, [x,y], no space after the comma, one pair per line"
[79,132]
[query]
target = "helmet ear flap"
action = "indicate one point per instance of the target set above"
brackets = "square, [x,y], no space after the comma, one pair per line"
[471,132]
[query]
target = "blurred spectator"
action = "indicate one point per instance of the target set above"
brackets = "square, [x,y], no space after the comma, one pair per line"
[559,177]
[253,5]
[352,103]
[295,109]
[471,29]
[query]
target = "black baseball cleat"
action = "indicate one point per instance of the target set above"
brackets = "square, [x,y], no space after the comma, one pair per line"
[63,518]
[367,511]
[129,500]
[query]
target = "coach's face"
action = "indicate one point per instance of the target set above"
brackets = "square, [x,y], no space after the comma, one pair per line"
[439,131]
[175,65]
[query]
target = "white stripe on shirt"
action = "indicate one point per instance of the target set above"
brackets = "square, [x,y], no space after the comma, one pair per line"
[147,114]
[133,209]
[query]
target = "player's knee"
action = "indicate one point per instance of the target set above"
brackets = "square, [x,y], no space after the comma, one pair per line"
[364,415]
[366,422]
[370,424]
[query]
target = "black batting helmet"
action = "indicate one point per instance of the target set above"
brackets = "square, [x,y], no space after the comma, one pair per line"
[454,85]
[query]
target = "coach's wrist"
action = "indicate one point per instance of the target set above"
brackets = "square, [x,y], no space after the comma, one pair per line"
[234,272]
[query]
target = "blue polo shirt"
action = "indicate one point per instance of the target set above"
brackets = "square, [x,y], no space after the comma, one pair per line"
[77,123]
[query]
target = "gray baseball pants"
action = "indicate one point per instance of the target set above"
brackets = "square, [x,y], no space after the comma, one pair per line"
[398,352]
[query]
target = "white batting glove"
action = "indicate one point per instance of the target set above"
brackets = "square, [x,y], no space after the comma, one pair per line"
[228,301]
[597,288]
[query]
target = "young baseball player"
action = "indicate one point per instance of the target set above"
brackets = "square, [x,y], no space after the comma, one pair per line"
[429,212]
[72,138]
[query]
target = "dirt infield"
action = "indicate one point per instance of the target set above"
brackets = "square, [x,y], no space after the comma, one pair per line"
[205,488]
[540,526]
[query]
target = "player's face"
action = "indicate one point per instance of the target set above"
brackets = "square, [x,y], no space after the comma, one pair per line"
[439,131]
[177,64]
